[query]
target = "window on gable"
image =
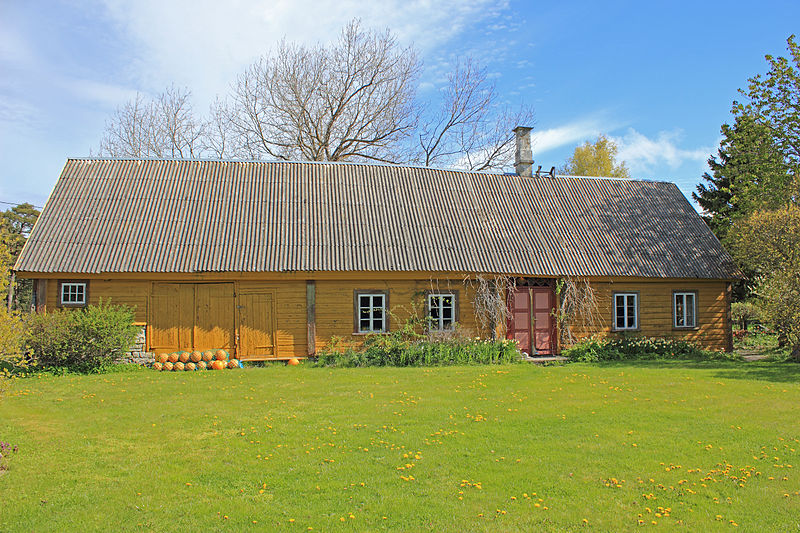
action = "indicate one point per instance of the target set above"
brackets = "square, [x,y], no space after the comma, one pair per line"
[626,310]
[441,311]
[72,293]
[371,312]
[684,307]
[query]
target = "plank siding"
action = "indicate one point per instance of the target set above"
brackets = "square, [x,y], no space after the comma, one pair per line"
[655,310]
[133,293]
[334,303]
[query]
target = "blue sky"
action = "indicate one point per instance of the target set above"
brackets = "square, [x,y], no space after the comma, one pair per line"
[658,77]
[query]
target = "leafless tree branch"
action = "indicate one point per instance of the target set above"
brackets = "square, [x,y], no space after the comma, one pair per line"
[352,100]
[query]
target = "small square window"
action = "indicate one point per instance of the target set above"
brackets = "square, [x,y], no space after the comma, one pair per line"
[626,311]
[684,307]
[441,311]
[73,293]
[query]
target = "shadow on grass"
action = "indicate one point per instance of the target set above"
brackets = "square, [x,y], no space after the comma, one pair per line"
[780,372]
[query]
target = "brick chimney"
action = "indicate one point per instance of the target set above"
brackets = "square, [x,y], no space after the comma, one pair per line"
[523,157]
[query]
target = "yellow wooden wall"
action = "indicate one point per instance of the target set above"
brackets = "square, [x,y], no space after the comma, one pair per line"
[290,306]
[334,305]
[133,293]
[655,310]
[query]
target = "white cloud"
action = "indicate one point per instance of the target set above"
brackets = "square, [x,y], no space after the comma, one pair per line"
[571,133]
[204,44]
[103,93]
[643,154]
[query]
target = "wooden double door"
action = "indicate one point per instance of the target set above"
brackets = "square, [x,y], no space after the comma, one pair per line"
[532,320]
[206,316]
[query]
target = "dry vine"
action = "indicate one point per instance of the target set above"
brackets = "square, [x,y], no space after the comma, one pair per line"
[490,302]
[576,301]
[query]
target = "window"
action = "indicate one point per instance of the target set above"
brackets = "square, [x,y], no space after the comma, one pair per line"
[626,310]
[73,293]
[683,309]
[370,312]
[441,311]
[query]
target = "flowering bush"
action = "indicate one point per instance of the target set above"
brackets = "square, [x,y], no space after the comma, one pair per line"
[627,348]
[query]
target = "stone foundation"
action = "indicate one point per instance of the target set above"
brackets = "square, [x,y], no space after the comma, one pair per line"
[138,353]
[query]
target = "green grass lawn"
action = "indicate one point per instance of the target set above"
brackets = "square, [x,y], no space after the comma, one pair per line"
[700,446]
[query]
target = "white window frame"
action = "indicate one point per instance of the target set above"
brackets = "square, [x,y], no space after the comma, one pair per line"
[625,296]
[67,290]
[373,296]
[438,324]
[684,294]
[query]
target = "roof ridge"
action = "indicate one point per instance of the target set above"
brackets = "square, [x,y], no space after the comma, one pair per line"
[364,164]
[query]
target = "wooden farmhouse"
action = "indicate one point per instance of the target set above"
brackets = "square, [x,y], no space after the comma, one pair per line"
[272,260]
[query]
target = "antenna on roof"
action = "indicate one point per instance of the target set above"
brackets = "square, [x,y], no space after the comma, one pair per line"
[551,173]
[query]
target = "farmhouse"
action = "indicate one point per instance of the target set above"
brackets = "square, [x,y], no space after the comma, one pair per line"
[272,260]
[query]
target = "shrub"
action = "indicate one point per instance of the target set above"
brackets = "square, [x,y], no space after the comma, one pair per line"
[13,354]
[745,313]
[405,347]
[631,348]
[82,340]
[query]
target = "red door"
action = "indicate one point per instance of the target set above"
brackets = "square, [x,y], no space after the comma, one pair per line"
[544,323]
[531,321]
[519,320]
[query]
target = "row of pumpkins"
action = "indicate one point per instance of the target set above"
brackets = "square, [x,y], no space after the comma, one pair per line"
[196,360]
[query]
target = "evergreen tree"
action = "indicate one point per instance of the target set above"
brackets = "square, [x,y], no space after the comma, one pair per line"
[749,173]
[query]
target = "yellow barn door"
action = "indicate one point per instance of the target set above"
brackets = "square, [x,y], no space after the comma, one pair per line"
[162,325]
[213,320]
[256,325]
[189,316]
[170,324]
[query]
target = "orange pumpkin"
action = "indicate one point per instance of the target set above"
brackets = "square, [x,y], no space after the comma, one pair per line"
[233,363]
[201,365]
[163,358]
[178,366]
[218,365]
[221,355]
[184,357]
[195,356]
[158,366]
[294,361]
[190,366]
[173,357]
[168,366]
[208,355]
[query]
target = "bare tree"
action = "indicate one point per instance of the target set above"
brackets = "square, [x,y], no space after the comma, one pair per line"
[354,99]
[216,140]
[469,130]
[162,127]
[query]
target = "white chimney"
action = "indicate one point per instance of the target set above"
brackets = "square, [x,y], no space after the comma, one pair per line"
[523,157]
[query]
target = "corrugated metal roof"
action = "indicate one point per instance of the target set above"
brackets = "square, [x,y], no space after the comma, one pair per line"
[208,216]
